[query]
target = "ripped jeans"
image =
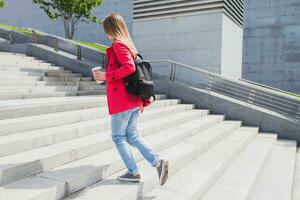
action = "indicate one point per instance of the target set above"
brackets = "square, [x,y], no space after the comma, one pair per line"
[124,132]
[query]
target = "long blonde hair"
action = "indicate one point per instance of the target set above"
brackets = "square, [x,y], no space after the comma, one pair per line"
[115,26]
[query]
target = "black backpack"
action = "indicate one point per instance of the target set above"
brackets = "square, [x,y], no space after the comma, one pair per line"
[140,82]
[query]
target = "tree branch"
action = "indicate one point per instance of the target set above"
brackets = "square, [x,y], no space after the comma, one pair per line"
[70,12]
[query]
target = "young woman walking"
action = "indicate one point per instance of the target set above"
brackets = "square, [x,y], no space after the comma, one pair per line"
[123,107]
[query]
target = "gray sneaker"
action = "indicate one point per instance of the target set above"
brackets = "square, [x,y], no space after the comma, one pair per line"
[128,177]
[163,171]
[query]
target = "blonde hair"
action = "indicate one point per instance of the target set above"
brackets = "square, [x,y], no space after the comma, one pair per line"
[115,26]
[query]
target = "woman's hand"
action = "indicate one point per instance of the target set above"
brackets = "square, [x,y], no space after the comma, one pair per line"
[99,76]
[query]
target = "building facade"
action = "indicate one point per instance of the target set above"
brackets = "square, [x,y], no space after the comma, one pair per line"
[27,14]
[272,43]
[205,34]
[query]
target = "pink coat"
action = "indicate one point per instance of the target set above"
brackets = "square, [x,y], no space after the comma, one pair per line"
[118,99]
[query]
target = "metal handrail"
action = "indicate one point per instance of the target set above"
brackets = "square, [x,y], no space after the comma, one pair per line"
[247,92]
[39,37]
[267,95]
[256,100]
[219,76]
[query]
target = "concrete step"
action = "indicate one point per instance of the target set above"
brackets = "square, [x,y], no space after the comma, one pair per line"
[78,83]
[91,87]
[62,73]
[45,100]
[9,54]
[22,108]
[22,124]
[24,59]
[12,78]
[39,186]
[276,181]
[239,179]
[85,78]
[24,102]
[20,79]
[4,59]
[5,67]
[91,92]
[296,186]
[53,73]
[18,102]
[21,57]
[196,177]
[11,82]
[28,89]
[84,83]
[44,83]
[10,96]
[26,140]
[59,182]
[43,70]
[178,155]
[66,78]
[80,177]
[17,166]
[20,74]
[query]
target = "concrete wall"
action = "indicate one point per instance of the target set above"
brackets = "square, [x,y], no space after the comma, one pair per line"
[191,39]
[27,14]
[266,120]
[209,41]
[272,43]
[232,49]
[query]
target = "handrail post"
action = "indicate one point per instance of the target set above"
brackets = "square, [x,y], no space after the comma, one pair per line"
[210,82]
[251,97]
[174,72]
[11,39]
[103,60]
[298,112]
[55,44]
[34,36]
[171,71]
[79,52]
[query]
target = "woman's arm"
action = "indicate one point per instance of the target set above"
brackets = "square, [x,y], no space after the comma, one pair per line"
[125,60]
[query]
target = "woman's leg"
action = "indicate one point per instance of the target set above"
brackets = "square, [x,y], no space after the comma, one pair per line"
[119,123]
[137,141]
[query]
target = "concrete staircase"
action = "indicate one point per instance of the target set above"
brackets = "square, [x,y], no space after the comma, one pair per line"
[24,77]
[58,146]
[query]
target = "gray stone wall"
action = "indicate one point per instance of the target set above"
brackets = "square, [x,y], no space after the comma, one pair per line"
[191,39]
[209,41]
[232,46]
[272,43]
[27,14]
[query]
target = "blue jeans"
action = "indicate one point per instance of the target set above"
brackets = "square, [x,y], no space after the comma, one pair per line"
[124,132]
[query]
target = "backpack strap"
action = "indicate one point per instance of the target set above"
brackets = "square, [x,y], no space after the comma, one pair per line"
[152,95]
[154,99]
[139,55]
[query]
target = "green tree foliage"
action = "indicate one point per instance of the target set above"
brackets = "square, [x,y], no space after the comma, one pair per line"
[71,12]
[2,3]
